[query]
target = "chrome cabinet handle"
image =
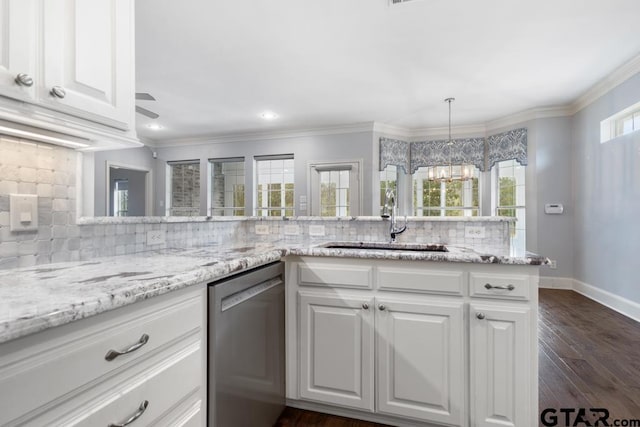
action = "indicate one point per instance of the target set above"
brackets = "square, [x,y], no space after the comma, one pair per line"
[24,80]
[112,354]
[506,288]
[381,307]
[365,306]
[480,316]
[132,418]
[58,92]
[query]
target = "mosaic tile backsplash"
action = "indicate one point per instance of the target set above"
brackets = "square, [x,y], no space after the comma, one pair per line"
[50,172]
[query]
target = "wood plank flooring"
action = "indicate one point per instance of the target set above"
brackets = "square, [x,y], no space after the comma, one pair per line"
[589,357]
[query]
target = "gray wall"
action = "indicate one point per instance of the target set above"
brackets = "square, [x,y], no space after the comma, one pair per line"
[606,189]
[136,186]
[354,146]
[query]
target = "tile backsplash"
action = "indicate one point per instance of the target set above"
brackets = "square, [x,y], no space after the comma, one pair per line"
[49,171]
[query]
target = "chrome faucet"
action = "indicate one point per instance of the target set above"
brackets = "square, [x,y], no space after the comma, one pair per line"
[389,210]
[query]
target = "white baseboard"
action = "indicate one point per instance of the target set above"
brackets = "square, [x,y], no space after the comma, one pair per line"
[615,302]
[556,282]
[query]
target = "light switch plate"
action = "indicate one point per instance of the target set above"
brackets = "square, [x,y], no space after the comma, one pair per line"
[23,212]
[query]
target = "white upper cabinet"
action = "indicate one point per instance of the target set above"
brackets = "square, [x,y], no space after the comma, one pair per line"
[18,52]
[88,53]
[68,66]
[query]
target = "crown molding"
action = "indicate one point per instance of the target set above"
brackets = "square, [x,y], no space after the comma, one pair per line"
[262,136]
[618,76]
[527,115]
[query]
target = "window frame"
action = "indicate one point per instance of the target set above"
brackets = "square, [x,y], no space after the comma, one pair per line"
[467,193]
[355,184]
[212,188]
[520,210]
[169,187]
[283,209]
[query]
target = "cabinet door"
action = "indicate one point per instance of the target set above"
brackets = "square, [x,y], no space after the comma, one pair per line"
[336,353]
[420,359]
[18,47]
[501,364]
[88,53]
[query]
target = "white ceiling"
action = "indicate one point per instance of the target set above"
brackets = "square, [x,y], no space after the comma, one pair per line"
[215,65]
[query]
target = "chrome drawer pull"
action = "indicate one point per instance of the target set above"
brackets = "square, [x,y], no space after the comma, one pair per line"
[138,414]
[112,354]
[506,288]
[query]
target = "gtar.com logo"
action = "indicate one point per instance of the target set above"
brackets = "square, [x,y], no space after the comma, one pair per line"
[587,417]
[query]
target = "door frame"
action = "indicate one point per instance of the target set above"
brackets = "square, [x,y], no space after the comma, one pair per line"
[148,182]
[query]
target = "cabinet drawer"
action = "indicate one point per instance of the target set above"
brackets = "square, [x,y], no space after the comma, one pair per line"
[172,378]
[499,286]
[334,275]
[71,356]
[420,280]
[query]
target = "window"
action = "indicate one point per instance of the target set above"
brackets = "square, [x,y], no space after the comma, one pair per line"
[184,185]
[274,186]
[510,200]
[335,189]
[227,187]
[435,198]
[388,180]
[120,197]
[621,123]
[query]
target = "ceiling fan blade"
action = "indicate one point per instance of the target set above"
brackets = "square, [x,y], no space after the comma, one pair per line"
[147,113]
[144,96]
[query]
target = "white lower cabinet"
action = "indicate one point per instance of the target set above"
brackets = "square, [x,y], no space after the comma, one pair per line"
[414,343]
[336,353]
[145,361]
[501,365]
[420,358]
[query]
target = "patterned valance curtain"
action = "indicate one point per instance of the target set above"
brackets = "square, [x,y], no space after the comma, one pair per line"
[469,151]
[394,152]
[510,145]
[481,152]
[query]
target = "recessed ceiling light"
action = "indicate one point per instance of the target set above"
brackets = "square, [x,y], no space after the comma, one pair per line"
[269,115]
[155,126]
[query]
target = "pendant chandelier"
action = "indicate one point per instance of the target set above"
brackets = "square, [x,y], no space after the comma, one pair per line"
[450,172]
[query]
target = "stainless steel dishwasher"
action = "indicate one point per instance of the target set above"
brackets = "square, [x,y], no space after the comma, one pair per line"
[246,348]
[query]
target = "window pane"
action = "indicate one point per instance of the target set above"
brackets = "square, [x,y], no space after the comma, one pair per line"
[388,180]
[435,198]
[275,187]
[185,189]
[227,187]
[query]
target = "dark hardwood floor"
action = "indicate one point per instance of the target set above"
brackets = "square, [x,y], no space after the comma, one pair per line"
[589,357]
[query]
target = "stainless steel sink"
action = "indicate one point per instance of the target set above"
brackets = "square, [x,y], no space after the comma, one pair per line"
[415,247]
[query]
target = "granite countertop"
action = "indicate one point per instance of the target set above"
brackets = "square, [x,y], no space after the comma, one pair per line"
[37,298]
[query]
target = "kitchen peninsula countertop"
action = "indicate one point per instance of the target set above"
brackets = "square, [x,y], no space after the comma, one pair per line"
[37,298]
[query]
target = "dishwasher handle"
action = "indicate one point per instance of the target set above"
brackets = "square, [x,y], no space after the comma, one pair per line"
[238,298]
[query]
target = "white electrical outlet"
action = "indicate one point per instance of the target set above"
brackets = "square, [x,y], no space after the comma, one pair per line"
[554,264]
[291,230]
[474,232]
[156,237]
[316,230]
[262,229]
